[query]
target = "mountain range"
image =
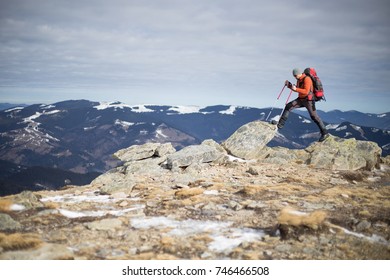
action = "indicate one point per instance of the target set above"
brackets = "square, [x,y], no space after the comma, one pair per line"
[79,136]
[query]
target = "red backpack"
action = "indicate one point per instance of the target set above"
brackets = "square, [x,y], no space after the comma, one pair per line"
[318,91]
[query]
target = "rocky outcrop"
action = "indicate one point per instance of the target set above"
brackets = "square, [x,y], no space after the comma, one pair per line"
[137,159]
[344,154]
[195,154]
[249,140]
[148,150]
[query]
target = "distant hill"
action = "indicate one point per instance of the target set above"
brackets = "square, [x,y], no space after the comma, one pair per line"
[5,106]
[381,121]
[15,178]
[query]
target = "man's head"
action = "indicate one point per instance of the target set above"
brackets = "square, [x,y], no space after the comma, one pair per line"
[297,73]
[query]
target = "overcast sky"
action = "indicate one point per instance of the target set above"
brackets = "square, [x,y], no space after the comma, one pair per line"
[194,52]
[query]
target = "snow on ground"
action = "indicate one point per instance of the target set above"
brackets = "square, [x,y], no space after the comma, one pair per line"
[98,213]
[90,197]
[225,237]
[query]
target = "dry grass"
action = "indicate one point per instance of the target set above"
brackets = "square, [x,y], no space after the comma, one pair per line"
[5,205]
[189,192]
[291,217]
[19,241]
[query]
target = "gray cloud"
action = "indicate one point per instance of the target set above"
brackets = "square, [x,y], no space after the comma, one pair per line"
[237,52]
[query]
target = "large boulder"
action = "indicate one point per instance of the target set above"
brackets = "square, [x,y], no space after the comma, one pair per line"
[113,181]
[138,160]
[194,154]
[148,150]
[249,140]
[344,154]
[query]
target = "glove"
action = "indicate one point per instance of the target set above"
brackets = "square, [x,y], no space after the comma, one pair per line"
[294,88]
[288,84]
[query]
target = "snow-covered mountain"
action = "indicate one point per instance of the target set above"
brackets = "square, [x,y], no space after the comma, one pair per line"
[381,121]
[81,136]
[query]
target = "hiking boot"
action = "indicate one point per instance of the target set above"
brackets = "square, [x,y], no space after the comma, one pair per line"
[323,137]
[282,120]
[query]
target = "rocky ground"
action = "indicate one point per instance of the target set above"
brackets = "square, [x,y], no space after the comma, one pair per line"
[157,207]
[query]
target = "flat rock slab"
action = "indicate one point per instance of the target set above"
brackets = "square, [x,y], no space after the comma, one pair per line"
[248,141]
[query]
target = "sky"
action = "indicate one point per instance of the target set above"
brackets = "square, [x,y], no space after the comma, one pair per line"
[194,52]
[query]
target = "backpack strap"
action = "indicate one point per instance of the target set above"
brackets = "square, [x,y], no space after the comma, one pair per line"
[310,95]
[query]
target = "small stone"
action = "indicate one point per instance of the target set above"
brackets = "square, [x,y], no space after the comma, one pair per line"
[180,186]
[252,171]
[363,225]
[7,223]
[267,253]
[124,203]
[119,195]
[235,205]
[283,248]
[105,224]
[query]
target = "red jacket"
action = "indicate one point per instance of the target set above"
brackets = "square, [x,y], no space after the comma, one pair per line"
[304,86]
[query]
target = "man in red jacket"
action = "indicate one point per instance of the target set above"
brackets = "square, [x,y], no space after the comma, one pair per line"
[304,88]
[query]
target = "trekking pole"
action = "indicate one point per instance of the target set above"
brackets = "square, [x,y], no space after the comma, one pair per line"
[288,98]
[276,101]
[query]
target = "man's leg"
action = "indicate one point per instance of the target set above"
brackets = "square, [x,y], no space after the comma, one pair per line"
[311,108]
[289,107]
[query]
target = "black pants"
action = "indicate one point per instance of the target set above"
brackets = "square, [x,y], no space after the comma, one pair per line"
[311,108]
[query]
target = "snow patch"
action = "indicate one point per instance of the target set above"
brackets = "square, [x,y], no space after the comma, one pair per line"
[356,127]
[99,213]
[276,118]
[32,130]
[211,192]
[44,106]
[374,238]
[13,109]
[229,111]
[309,135]
[344,127]
[185,109]
[217,230]
[159,133]
[17,207]
[332,126]
[236,237]
[233,158]
[119,105]
[141,109]
[386,147]
[32,118]
[106,105]
[52,112]
[70,198]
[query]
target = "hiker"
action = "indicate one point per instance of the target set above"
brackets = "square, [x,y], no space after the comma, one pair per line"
[304,88]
